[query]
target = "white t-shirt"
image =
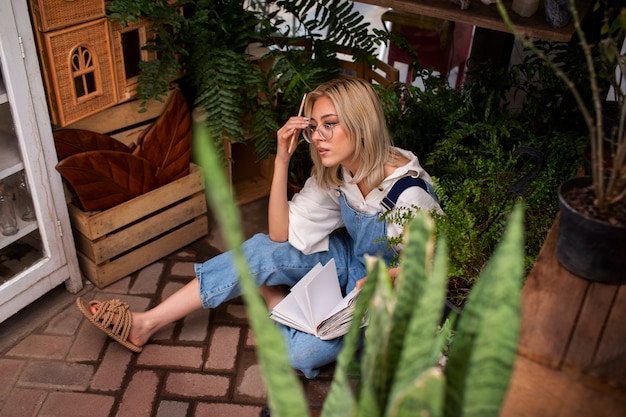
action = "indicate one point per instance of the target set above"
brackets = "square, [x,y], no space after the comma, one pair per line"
[314,212]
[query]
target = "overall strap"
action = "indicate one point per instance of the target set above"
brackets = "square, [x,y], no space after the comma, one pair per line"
[402,184]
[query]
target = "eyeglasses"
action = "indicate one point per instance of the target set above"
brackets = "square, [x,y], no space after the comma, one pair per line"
[325,130]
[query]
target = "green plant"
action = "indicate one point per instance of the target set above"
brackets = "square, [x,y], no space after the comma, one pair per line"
[469,141]
[398,373]
[601,61]
[245,98]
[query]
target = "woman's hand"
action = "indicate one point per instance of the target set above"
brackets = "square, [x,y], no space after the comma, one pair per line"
[393,273]
[288,133]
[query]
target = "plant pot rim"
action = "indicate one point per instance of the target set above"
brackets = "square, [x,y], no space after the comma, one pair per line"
[579,182]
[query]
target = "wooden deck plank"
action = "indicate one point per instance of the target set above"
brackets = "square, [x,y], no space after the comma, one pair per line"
[590,326]
[536,390]
[610,359]
[551,300]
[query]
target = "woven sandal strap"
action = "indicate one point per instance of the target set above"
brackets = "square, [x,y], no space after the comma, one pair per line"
[115,314]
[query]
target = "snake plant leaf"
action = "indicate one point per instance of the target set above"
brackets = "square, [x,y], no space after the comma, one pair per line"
[421,348]
[481,358]
[423,397]
[341,401]
[374,360]
[285,393]
[410,287]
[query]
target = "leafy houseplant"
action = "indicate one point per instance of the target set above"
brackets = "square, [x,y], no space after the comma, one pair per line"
[399,372]
[469,139]
[244,97]
[596,205]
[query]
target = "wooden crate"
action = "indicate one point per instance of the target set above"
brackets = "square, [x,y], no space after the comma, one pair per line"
[249,179]
[114,243]
[56,14]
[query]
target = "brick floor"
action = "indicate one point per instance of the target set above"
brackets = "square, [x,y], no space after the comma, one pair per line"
[53,363]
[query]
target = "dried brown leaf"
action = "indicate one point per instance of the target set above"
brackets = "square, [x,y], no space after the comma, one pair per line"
[167,142]
[69,142]
[103,179]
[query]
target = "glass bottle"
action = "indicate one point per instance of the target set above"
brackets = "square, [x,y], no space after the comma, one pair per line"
[8,222]
[23,199]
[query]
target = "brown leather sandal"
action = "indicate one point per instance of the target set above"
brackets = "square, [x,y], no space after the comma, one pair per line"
[103,319]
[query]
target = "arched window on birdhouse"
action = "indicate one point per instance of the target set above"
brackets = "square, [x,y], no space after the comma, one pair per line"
[84,73]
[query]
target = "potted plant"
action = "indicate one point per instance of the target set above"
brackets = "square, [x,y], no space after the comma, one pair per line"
[592,225]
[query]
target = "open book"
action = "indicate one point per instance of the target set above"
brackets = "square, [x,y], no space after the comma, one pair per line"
[315,304]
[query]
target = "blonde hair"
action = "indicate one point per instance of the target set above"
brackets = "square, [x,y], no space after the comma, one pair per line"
[361,116]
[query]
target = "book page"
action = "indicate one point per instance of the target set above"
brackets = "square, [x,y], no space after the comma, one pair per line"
[291,311]
[337,322]
[323,293]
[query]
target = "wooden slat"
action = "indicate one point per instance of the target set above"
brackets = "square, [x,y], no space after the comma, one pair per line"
[537,391]
[95,225]
[102,275]
[551,299]
[487,16]
[590,325]
[251,189]
[610,359]
[132,236]
[121,116]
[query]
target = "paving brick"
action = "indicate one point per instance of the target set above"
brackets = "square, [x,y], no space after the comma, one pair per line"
[65,323]
[42,347]
[172,409]
[185,254]
[118,287]
[171,288]
[195,326]
[77,404]
[165,333]
[252,384]
[184,269]
[56,375]
[9,371]
[87,344]
[227,410]
[112,369]
[147,279]
[250,341]
[249,384]
[196,385]
[223,348]
[140,395]
[23,402]
[316,391]
[171,356]
[237,311]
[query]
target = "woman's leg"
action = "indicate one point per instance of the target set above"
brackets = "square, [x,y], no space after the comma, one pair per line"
[308,353]
[175,307]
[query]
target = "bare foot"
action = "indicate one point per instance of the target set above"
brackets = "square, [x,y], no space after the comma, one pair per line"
[139,333]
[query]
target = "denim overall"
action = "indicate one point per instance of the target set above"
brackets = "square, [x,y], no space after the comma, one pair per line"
[279,263]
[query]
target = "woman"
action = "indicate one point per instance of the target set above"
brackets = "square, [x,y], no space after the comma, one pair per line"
[336,215]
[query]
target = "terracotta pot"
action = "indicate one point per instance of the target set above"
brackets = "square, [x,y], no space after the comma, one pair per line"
[587,247]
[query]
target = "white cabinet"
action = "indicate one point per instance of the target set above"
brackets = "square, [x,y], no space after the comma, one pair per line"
[41,254]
